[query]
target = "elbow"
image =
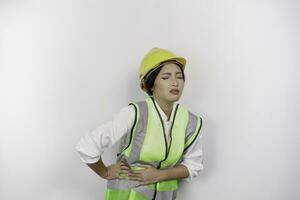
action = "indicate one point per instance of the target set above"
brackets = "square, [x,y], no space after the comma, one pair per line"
[195,170]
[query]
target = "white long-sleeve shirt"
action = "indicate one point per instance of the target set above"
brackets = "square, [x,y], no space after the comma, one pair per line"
[94,142]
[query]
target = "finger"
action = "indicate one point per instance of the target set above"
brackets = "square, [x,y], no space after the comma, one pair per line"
[141,184]
[125,164]
[124,171]
[124,168]
[146,166]
[136,172]
[123,175]
[133,175]
[135,178]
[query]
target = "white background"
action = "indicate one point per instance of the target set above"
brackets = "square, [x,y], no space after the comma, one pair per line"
[66,66]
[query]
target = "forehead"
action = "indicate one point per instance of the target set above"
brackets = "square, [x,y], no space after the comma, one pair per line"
[170,67]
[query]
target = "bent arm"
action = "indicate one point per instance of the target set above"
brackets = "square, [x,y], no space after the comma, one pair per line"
[191,165]
[193,159]
[94,142]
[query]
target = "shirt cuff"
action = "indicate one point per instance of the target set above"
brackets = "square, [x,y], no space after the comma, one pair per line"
[193,170]
[87,157]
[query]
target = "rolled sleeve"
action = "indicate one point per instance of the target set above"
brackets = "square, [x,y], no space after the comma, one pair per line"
[193,159]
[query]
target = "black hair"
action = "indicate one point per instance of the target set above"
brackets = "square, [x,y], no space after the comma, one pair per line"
[151,76]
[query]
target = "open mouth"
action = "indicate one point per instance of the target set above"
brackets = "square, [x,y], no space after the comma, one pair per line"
[174,91]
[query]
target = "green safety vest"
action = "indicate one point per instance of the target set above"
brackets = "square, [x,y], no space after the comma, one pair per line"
[146,144]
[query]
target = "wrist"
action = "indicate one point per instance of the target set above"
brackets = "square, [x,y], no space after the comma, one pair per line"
[161,176]
[103,172]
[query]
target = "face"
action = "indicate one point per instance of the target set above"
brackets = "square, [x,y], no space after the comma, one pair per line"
[169,83]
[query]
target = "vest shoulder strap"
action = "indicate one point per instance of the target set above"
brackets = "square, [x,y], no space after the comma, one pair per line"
[193,130]
[140,108]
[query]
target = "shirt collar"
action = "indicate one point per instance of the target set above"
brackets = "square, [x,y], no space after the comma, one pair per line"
[162,113]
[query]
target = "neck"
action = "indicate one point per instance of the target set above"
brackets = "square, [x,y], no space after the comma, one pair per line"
[165,106]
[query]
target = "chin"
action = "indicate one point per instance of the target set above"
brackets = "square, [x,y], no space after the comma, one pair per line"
[170,97]
[174,98]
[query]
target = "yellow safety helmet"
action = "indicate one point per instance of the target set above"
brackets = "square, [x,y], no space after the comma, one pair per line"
[154,58]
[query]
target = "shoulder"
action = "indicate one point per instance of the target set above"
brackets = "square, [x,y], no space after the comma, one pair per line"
[130,108]
[194,117]
[137,105]
[193,114]
[125,112]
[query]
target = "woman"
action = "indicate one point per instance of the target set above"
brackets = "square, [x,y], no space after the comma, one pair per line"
[160,139]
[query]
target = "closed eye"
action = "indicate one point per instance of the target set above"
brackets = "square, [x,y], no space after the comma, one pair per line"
[168,77]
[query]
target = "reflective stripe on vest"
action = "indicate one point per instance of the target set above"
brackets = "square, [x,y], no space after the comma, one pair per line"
[146,145]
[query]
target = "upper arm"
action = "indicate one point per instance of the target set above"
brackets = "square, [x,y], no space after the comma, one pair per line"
[96,140]
[193,136]
[193,155]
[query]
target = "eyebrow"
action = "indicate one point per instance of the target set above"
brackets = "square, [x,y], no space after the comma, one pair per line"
[170,73]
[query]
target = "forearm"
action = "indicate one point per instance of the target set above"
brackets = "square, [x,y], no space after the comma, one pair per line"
[99,168]
[177,172]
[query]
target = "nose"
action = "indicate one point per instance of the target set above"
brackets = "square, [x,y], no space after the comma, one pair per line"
[174,81]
